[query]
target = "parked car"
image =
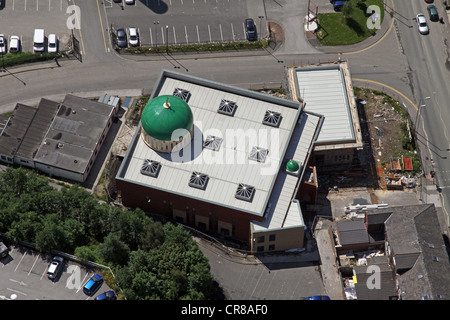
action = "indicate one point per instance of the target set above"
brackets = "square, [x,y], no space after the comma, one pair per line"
[2,44]
[14,44]
[250,30]
[121,38]
[93,284]
[108,295]
[4,251]
[318,298]
[422,23]
[129,1]
[55,267]
[52,43]
[134,37]
[432,12]
[337,5]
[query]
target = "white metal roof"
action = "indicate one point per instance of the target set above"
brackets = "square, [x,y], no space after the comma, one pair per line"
[324,91]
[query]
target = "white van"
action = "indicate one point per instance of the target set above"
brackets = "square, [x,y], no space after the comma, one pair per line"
[39,40]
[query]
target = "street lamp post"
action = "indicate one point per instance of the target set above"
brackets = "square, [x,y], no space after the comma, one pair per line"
[156,31]
[418,113]
[167,39]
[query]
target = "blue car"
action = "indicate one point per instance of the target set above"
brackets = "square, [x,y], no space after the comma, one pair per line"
[93,284]
[108,295]
[318,298]
[250,30]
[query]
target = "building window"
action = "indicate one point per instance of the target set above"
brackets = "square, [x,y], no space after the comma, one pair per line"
[272,237]
[260,249]
[225,232]
[272,247]
[260,239]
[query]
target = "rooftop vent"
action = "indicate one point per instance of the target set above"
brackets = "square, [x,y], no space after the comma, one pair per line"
[258,154]
[245,192]
[212,142]
[150,168]
[227,107]
[272,118]
[198,180]
[182,94]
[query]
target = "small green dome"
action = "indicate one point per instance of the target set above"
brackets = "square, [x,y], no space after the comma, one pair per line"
[165,114]
[292,166]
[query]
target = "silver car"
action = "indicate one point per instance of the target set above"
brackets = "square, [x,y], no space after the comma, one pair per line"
[14,44]
[422,23]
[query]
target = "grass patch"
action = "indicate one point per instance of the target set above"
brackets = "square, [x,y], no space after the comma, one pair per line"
[337,29]
[200,47]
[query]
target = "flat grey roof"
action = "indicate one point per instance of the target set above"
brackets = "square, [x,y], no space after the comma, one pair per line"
[324,90]
[73,134]
[229,166]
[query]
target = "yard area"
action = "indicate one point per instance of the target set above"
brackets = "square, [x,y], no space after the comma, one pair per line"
[391,134]
[350,25]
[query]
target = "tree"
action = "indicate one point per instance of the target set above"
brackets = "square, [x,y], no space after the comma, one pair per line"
[114,250]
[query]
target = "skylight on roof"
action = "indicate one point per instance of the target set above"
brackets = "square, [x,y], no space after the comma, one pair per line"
[198,180]
[212,142]
[258,154]
[245,192]
[272,118]
[150,168]
[182,94]
[227,107]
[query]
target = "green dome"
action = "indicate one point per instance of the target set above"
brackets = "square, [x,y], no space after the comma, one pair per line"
[165,114]
[292,166]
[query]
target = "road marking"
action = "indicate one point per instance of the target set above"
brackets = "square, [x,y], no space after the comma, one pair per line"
[198,34]
[16,291]
[221,34]
[101,25]
[174,35]
[232,31]
[209,31]
[151,38]
[37,257]
[185,32]
[20,261]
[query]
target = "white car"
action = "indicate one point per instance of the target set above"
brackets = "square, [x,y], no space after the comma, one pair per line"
[52,43]
[2,44]
[14,44]
[133,40]
[422,23]
[129,1]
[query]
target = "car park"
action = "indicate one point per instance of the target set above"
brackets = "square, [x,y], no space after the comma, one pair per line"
[121,38]
[14,44]
[93,284]
[422,23]
[2,44]
[108,295]
[432,12]
[52,43]
[133,37]
[55,267]
[250,29]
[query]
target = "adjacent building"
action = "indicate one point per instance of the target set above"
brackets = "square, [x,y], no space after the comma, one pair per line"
[59,139]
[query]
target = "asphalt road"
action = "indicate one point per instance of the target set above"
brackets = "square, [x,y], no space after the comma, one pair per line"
[427,69]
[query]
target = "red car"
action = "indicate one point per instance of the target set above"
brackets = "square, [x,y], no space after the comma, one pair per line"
[429,1]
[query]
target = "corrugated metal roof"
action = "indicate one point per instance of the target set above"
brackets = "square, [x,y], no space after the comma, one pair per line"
[324,91]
